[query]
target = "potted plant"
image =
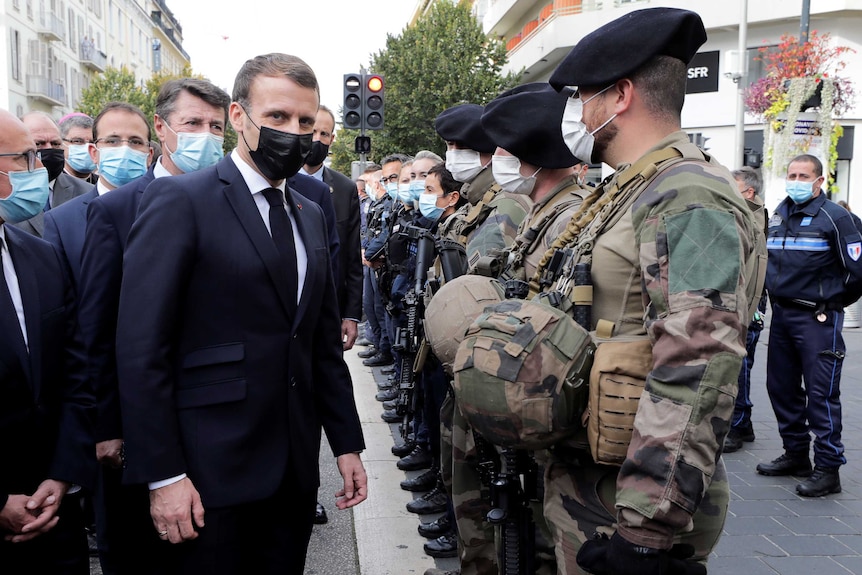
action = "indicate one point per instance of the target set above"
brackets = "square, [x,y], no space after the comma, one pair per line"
[800,76]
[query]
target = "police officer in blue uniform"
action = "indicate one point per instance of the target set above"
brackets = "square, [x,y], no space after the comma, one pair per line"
[814,270]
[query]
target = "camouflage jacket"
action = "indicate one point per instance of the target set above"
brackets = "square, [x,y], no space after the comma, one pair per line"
[498,231]
[547,219]
[674,267]
[462,223]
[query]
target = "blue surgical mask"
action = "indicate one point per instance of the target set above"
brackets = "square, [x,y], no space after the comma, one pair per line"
[417,188]
[799,192]
[405,193]
[428,206]
[79,158]
[121,165]
[28,196]
[392,190]
[196,150]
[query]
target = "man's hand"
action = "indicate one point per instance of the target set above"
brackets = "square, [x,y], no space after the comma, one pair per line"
[349,331]
[355,488]
[38,511]
[15,515]
[617,556]
[109,453]
[172,509]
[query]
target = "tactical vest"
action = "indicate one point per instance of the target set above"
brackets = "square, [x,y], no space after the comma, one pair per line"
[459,225]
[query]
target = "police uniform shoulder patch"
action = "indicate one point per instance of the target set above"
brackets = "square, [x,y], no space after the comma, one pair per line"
[775,220]
[854,250]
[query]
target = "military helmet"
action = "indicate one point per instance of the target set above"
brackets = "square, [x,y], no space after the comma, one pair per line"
[452,309]
[522,374]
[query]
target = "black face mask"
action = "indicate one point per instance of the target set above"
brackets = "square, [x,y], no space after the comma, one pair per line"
[318,153]
[53,160]
[279,155]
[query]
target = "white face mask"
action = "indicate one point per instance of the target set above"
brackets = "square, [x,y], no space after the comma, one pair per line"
[507,173]
[464,164]
[575,134]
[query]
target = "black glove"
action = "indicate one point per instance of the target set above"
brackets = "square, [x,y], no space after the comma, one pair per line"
[617,556]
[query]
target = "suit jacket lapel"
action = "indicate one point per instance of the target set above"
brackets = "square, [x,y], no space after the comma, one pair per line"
[239,197]
[29,288]
[301,217]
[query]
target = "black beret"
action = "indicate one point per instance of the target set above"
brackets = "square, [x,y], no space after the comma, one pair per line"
[461,124]
[622,46]
[525,121]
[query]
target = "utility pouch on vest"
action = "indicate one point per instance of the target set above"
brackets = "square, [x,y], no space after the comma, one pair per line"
[617,379]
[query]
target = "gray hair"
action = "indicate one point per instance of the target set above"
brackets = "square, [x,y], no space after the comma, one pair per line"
[749,176]
[76,121]
[423,154]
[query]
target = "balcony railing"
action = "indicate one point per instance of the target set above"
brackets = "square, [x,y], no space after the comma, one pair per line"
[92,58]
[51,27]
[47,90]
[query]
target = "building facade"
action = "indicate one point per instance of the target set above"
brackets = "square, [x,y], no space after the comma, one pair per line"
[539,33]
[53,48]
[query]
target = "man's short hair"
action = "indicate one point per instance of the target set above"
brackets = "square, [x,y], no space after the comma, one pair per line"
[203,89]
[427,154]
[818,165]
[75,121]
[750,178]
[276,65]
[661,81]
[371,168]
[326,109]
[125,107]
[394,158]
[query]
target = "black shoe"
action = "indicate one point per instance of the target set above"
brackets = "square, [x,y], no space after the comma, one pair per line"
[320,515]
[362,342]
[443,546]
[823,481]
[419,458]
[787,464]
[384,385]
[389,416]
[733,442]
[377,360]
[403,449]
[387,369]
[745,433]
[391,404]
[432,502]
[423,482]
[366,353]
[386,395]
[436,528]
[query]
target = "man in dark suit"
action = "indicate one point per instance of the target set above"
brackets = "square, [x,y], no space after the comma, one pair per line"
[228,354]
[348,274]
[119,131]
[64,187]
[190,119]
[46,442]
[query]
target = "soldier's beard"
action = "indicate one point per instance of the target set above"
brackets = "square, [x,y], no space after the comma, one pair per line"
[603,139]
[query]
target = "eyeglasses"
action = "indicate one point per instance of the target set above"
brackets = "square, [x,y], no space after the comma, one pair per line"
[31,156]
[112,142]
[77,141]
[392,178]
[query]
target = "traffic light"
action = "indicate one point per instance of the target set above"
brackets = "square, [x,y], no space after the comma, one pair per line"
[352,112]
[373,102]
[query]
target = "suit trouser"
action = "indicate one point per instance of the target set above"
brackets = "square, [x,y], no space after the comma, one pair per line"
[61,551]
[266,537]
[801,348]
[127,538]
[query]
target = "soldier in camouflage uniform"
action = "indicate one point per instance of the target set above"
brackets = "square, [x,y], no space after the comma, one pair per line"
[531,161]
[673,249]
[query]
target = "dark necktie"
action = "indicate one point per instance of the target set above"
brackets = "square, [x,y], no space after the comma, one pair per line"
[282,236]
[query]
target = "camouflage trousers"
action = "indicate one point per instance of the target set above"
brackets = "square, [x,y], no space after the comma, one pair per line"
[471,498]
[580,501]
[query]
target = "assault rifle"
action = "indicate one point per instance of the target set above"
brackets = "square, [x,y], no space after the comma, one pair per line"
[407,339]
[511,493]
